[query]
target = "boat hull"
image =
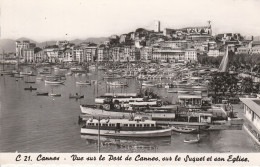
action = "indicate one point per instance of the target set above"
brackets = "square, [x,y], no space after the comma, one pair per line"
[30,88]
[135,134]
[54,82]
[191,141]
[83,83]
[183,130]
[56,95]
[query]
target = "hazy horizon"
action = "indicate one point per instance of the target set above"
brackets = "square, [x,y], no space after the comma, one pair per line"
[44,20]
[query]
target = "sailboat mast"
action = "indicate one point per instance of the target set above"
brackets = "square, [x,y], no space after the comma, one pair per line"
[3,59]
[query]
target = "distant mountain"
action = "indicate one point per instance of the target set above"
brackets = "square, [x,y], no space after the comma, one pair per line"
[26,39]
[77,41]
[97,40]
[43,44]
[9,44]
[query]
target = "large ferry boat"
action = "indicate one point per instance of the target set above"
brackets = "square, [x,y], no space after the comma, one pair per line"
[137,127]
[113,111]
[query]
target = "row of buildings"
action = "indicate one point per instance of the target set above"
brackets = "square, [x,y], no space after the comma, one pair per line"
[169,45]
[90,52]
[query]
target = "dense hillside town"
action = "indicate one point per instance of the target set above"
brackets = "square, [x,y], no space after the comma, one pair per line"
[168,45]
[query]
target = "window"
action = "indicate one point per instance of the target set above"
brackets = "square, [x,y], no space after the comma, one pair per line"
[152,125]
[126,125]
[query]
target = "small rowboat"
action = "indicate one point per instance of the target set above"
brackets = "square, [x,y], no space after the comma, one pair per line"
[26,73]
[83,83]
[18,76]
[39,79]
[30,88]
[116,84]
[29,81]
[192,140]
[54,82]
[55,94]
[183,129]
[76,96]
[42,93]
[172,91]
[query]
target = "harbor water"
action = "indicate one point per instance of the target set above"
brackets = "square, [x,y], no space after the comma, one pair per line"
[30,123]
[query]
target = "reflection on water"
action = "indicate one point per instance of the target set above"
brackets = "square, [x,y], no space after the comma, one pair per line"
[127,144]
[30,123]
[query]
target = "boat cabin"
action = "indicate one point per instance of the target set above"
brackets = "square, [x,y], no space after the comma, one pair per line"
[122,124]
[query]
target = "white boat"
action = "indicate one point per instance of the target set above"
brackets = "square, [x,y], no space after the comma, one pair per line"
[45,71]
[116,83]
[111,111]
[56,68]
[6,73]
[39,78]
[83,83]
[184,129]
[26,73]
[172,91]
[68,74]
[55,94]
[77,70]
[54,82]
[15,72]
[124,128]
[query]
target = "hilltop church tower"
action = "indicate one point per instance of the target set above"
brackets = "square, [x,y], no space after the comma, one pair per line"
[157,26]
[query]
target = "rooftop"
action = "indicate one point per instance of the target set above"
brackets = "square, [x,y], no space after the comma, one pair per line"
[253,104]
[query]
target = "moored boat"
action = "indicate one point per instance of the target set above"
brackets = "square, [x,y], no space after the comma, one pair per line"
[39,79]
[55,94]
[42,93]
[76,96]
[125,128]
[184,129]
[116,111]
[116,83]
[29,81]
[83,83]
[26,73]
[30,88]
[45,71]
[77,70]
[54,82]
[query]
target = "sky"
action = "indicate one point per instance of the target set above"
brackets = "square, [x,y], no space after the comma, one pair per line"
[42,20]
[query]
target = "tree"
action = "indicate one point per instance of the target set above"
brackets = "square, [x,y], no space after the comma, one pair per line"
[37,49]
[247,85]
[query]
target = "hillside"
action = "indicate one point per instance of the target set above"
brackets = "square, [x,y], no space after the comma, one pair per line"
[9,44]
